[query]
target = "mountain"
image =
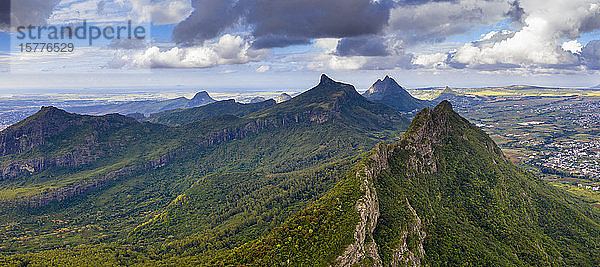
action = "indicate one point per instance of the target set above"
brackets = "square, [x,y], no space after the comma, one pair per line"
[257,99]
[444,194]
[455,98]
[283,97]
[227,107]
[595,87]
[54,155]
[389,92]
[204,187]
[144,107]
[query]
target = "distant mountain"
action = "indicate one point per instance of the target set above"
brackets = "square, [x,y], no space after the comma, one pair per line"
[455,98]
[283,97]
[389,92]
[257,99]
[595,87]
[227,107]
[144,107]
[445,187]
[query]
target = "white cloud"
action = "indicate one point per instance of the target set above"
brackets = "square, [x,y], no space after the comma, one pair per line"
[263,68]
[539,42]
[431,60]
[572,46]
[227,50]
[163,11]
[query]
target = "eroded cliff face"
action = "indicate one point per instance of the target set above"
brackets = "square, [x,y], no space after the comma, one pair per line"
[404,255]
[364,249]
[258,125]
[68,192]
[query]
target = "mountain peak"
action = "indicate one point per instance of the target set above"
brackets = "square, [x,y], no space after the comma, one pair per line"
[443,107]
[203,95]
[389,92]
[326,80]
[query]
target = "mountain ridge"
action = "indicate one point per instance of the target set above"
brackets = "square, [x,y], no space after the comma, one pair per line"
[146,107]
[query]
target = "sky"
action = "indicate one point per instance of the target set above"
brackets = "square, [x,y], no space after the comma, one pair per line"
[233,45]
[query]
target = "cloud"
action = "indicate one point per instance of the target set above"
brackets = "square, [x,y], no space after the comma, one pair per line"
[162,12]
[435,21]
[4,15]
[279,23]
[572,46]
[263,68]
[436,60]
[539,43]
[591,55]
[128,44]
[28,12]
[395,57]
[227,50]
[362,46]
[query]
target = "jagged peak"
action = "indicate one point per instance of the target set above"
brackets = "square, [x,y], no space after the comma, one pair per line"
[436,121]
[444,107]
[326,80]
[388,79]
[386,87]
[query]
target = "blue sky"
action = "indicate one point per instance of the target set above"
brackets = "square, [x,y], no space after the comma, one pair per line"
[225,45]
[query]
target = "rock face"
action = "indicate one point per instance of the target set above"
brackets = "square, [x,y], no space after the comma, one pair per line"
[389,92]
[403,256]
[364,246]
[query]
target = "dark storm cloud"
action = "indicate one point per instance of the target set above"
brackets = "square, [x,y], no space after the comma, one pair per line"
[209,19]
[275,23]
[273,40]
[4,14]
[362,46]
[516,13]
[591,55]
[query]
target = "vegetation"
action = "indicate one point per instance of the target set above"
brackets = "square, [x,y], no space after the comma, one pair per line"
[285,186]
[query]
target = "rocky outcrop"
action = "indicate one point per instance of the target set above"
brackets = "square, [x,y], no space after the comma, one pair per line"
[403,255]
[68,192]
[259,124]
[29,166]
[364,246]
[282,98]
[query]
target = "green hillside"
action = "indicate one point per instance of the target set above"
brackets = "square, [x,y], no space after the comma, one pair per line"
[279,146]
